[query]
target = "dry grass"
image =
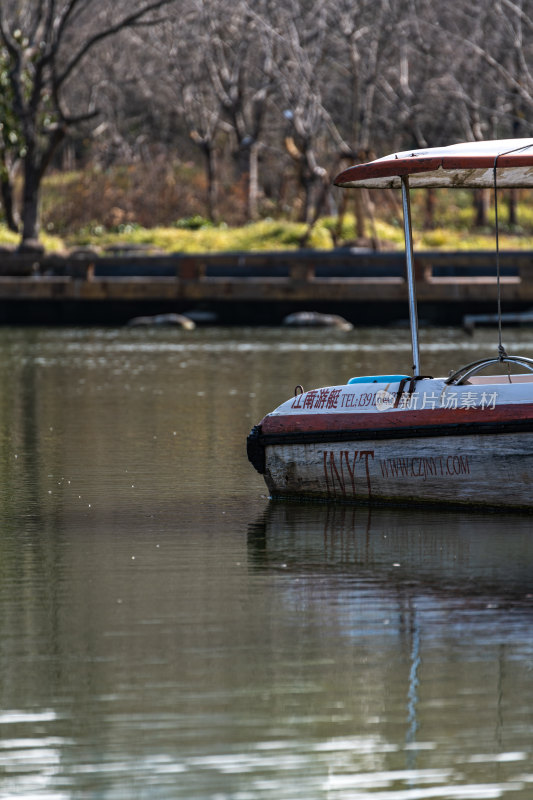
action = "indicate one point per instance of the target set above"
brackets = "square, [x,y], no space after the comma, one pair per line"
[162,206]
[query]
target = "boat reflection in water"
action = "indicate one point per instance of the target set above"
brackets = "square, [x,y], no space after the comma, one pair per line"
[449,552]
[426,619]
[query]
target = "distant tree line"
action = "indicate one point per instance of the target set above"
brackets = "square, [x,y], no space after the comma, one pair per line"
[272,96]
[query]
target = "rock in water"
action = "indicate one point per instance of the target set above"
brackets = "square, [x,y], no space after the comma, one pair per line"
[313,319]
[176,320]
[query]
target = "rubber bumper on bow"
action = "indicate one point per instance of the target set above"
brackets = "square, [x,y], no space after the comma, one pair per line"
[256,449]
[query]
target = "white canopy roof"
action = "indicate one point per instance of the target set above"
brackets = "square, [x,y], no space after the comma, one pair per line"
[469,165]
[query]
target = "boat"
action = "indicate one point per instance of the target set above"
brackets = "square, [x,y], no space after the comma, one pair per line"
[465,439]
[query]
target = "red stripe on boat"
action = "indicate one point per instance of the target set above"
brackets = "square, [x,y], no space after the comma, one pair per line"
[291,423]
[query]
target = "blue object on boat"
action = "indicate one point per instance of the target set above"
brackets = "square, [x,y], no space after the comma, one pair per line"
[378,379]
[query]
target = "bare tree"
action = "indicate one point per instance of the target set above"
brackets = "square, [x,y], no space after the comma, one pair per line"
[185,91]
[10,143]
[302,28]
[486,77]
[256,88]
[239,54]
[46,42]
[203,117]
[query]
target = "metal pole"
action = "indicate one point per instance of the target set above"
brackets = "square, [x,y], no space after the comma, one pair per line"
[413,316]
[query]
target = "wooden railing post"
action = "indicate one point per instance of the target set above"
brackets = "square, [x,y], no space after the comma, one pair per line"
[525,269]
[190,268]
[423,269]
[302,272]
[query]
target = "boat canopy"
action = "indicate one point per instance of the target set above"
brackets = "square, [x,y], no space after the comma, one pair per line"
[467,165]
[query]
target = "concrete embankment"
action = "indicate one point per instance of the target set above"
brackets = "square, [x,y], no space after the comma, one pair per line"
[257,288]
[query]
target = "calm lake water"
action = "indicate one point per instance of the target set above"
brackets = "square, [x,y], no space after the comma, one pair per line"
[166,632]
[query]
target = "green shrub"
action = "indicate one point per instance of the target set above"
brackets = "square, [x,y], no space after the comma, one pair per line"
[193,223]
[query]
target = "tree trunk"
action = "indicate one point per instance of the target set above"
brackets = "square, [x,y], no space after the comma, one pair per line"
[35,166]
[512,207]
[429,210]
[211,175]
[360,215]
[481,205]
[253,182]
[6,189]
[323,190]
[31,196]
[311,183]
[247,161]
[337,232]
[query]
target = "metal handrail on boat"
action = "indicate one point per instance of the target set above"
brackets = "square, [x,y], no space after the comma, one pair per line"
[462,374]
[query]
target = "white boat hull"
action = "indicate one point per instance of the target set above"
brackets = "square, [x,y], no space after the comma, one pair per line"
[459,445]
[495,470]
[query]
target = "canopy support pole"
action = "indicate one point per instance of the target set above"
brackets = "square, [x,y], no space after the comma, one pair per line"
[408,234]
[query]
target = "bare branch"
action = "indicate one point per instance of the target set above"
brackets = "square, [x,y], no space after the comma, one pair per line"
[125,22]
[519,13]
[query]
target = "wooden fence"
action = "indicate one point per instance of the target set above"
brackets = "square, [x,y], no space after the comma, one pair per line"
[295,278]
